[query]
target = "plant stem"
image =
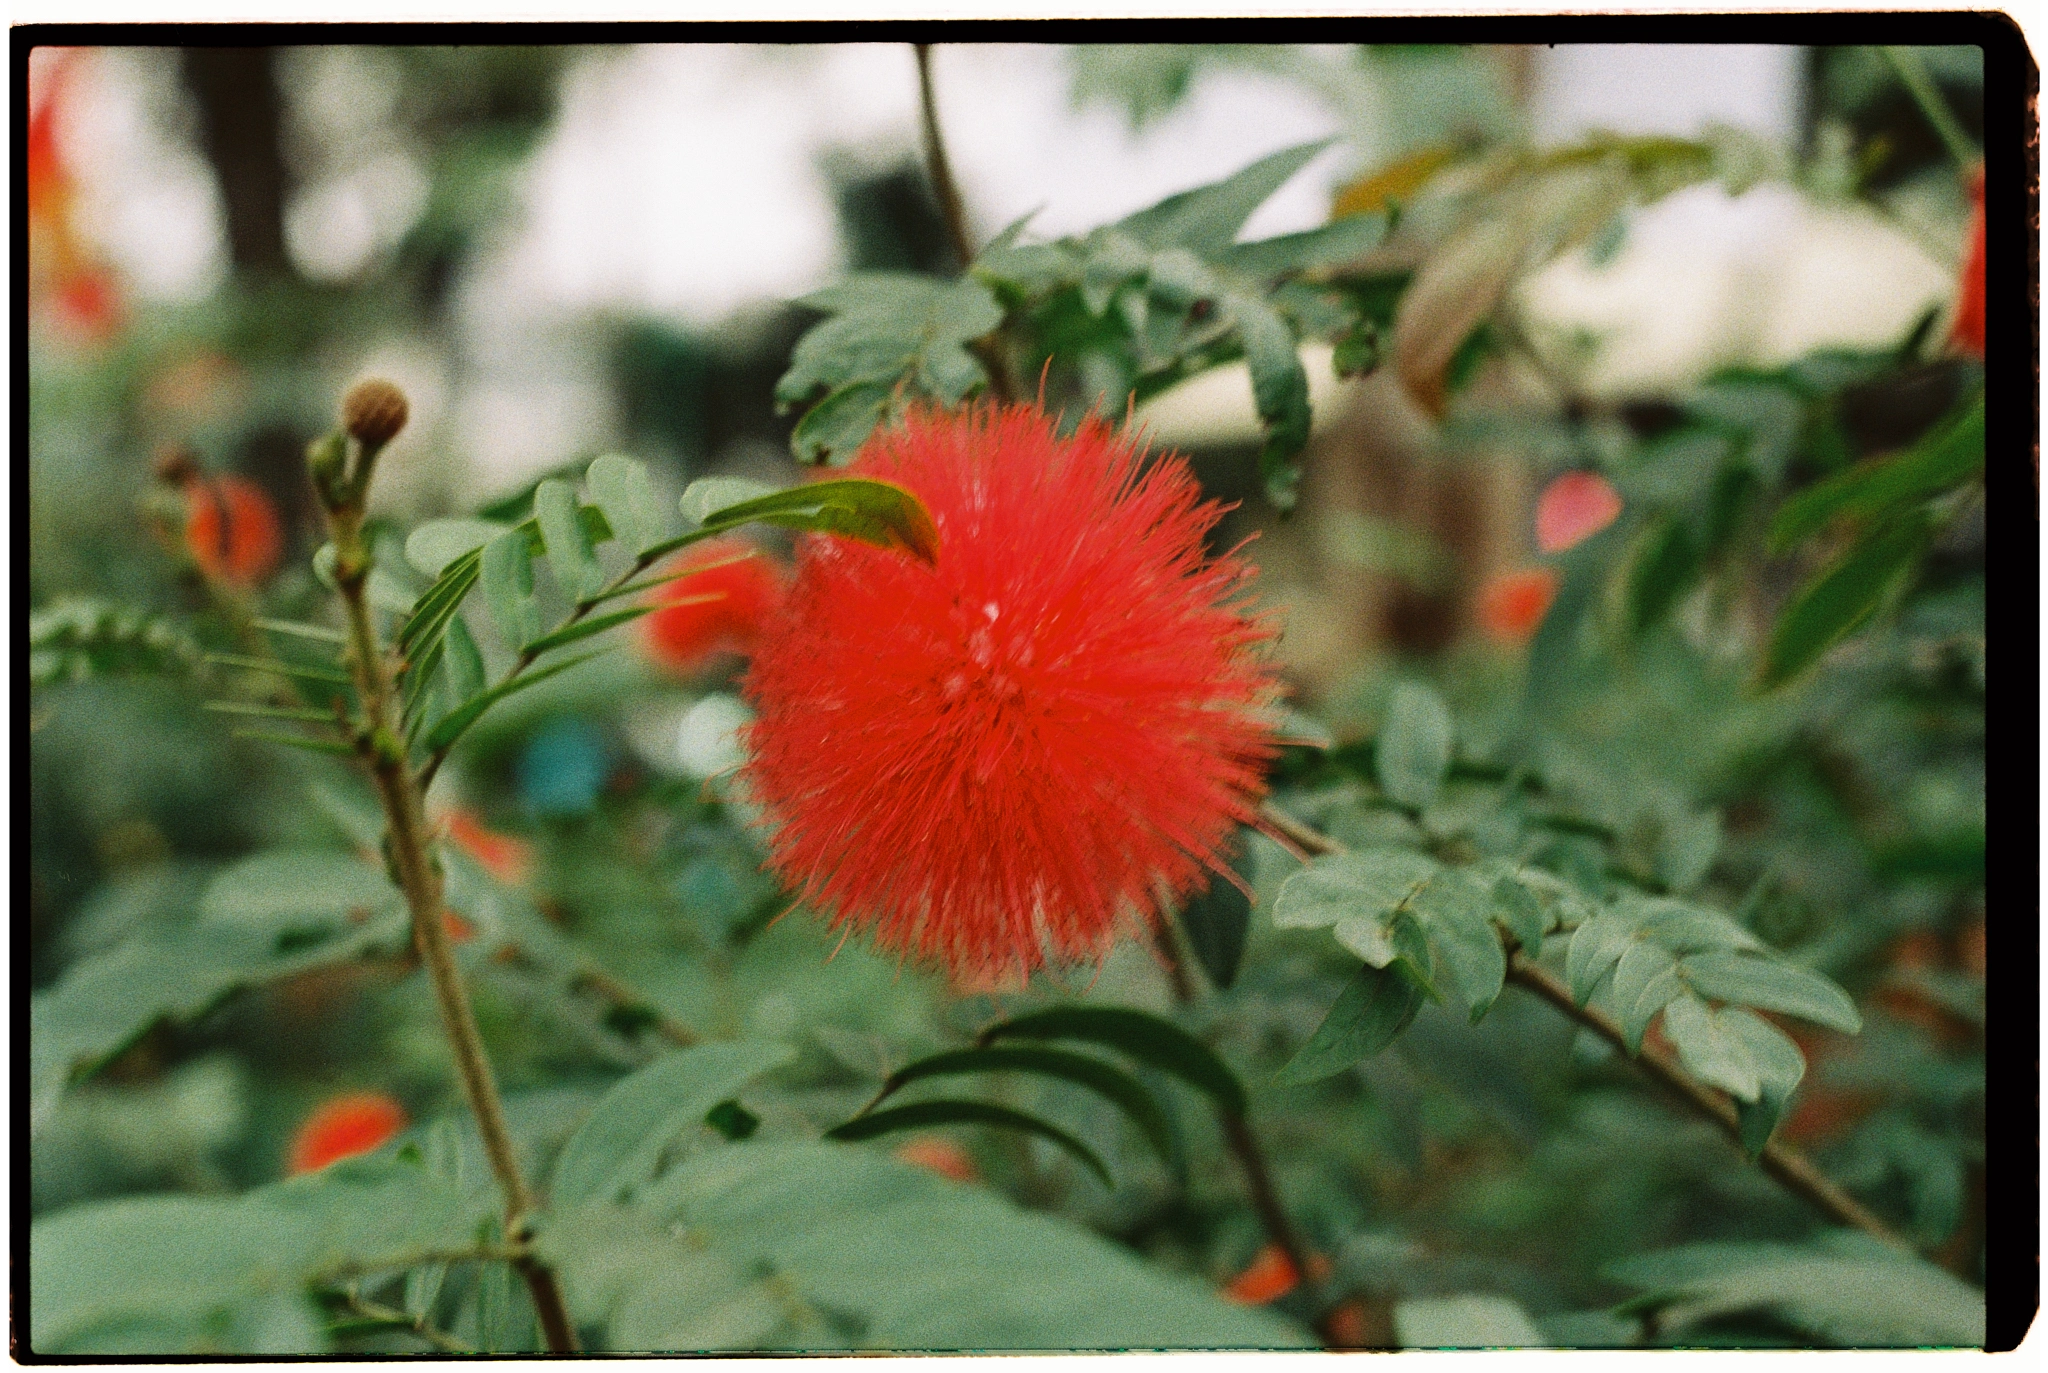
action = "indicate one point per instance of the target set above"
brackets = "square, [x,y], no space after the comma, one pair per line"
[1914,76]
[1782,1162]
[417,1325]
[947,192]
[378,741]
[1244,1145]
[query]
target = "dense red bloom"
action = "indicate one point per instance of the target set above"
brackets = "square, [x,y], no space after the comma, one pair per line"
[1967,333]
[714,611]
[344,1127]
[231,529]
[1574,508]
[1512,605]
[996,760]
[1270,1276]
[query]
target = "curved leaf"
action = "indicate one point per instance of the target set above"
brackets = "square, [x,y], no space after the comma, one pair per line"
[1105,1080]
[452,725]
[876,512]
[1370,1013]
[1147,1038]
[948,1112]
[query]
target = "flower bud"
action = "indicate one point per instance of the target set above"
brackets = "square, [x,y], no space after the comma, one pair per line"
[373,412]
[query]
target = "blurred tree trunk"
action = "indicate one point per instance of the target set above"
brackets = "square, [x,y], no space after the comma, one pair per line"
[240,125]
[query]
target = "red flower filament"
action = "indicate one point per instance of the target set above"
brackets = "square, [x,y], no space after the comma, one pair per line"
[998,760]
[344,1127]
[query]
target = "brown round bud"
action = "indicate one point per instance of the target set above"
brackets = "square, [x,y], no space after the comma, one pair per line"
[174,465]
[373,412]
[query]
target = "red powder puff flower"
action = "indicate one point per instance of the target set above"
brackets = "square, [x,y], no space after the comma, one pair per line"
[1512,605]
[1967,333]
[231,529]
[344,1127]
[997,760]
[1574,508]
[715,610]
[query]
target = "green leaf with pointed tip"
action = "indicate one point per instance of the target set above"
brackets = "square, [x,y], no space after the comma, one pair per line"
[1207,218]
[506,566]
[439,602]
[452,725]
[1779,1068]
[1847,593]
[876,512]
[622,489]
[619,1143]
[1412,754]
[1455,912]
[572,556]
[1370,1013]
[1217,920]
[1334,244]
[1147,1038]
[1279,394]
[464,660]
[1645,979]
[1347,885]
[1597,945]
[925,1114]
[1771,985]
[1105,1080]
[1949,455]
[1516,909]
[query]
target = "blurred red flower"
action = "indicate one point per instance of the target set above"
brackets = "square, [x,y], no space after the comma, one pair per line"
[1512,605]
[941,1156]
[62,270]
[343,1127]
[1574,508]
[1967,333]
[717,609]
[231,529]
[1271,1276]
[998,760]
[505,858]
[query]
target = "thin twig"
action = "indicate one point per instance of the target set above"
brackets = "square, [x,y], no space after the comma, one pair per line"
[1784,1164]
[378,740]
[417,1325]
[617,993]
[1244,1146]
[947,192]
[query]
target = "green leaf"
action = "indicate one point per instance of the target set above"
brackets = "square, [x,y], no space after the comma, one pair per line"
[617,1146]
[295,889]
[918,1261]
[319,633]
[1843,596]
[452,725]
[623,490]
[1216,922]
[836,427]
[924,1114]
[1370,883]
[1412,754]
[732,1120]
[464,661]
[281,668]
[1147,1038]
[585,628]
[1666,566]
[1711,1051]
[1370,1013]
[332,748]
[507,570]
[571,556]
[888,327]
[1206,219]
[1519,913]
[707,496]
[1951,454]
[1779,1066]
[1847,1289]
[653,1292]
[1333,245]
[1112,1083]
[1455,911]
[1686,849]
[877,512]
[1597,945]
[1279,394]
[438,543]
[438,604]
[1772,986]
